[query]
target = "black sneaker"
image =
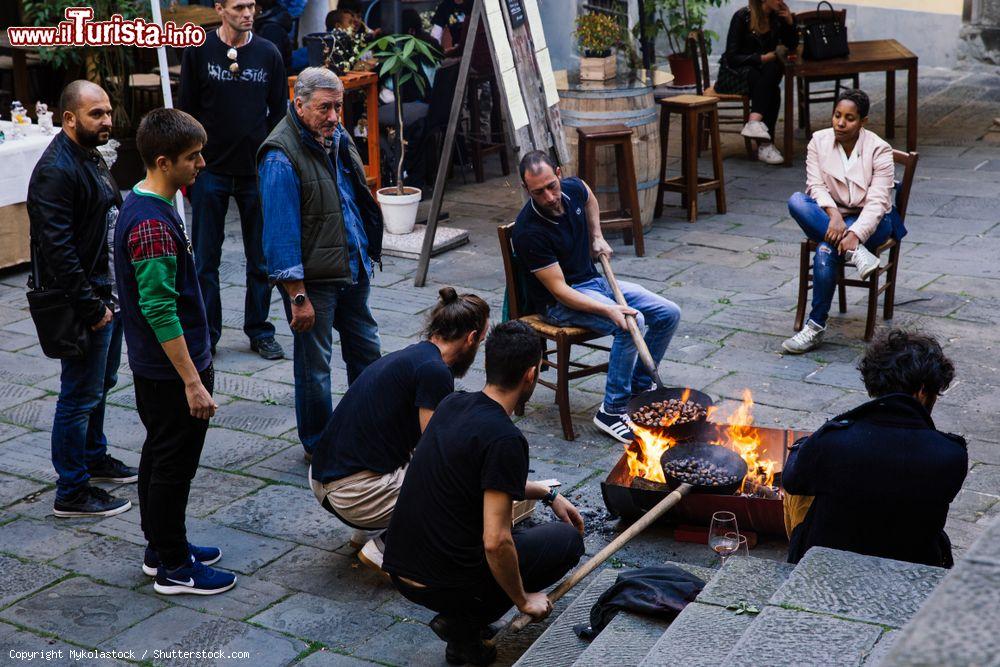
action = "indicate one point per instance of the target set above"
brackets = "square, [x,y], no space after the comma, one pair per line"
[268,348]
[204,555]
[110,469]
[91,501]
[614,425]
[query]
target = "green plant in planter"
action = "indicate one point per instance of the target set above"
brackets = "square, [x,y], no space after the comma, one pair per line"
[108,66]
[597,34]
[676,18]
[400,57]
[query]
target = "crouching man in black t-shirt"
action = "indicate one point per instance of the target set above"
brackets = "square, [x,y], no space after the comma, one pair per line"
[362,455]
[450,546]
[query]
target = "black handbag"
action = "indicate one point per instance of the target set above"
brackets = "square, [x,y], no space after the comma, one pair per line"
[825,38]
[60,332]
[733,81]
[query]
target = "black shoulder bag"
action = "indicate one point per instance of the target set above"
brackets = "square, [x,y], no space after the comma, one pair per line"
[61,333]
[825,38]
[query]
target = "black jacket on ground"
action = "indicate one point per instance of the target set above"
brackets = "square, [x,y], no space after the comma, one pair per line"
[745,47]
[69,195]
[883,478]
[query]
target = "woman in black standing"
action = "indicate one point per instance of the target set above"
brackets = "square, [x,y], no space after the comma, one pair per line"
[760,35]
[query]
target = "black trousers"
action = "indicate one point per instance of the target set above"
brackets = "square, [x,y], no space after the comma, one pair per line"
[544,554]
[169,460]
[765,92]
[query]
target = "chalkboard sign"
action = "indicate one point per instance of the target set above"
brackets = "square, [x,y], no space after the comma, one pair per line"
[516,13]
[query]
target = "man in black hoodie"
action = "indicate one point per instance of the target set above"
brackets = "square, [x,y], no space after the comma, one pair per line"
[234,85]
[881,475]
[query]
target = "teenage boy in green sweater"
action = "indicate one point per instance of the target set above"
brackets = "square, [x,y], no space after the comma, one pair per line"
[168,350]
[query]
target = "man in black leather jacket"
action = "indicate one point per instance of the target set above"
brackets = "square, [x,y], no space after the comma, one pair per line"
[72,206]
[882,475]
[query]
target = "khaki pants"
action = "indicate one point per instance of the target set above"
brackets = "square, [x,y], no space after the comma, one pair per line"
[365,499]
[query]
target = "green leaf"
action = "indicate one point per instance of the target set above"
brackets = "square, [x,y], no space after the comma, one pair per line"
[408,48]
[389,66]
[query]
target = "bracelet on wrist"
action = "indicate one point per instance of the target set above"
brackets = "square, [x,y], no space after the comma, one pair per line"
[550,497]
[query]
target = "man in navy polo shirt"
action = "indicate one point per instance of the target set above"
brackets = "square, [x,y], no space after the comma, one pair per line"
[557,236]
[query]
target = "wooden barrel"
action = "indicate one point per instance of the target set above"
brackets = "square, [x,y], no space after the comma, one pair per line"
[629,102]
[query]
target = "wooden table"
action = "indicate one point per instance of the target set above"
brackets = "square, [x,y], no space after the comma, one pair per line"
[881,55]
[367,82]
[206,17]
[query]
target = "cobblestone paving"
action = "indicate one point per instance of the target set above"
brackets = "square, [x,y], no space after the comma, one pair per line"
[76,583]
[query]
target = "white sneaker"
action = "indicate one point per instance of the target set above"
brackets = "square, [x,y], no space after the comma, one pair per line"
[863,260]
[372,554]
[754,129]
[769,154]
[809,338]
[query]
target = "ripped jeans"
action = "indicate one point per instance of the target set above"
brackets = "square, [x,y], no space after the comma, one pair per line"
[826,263]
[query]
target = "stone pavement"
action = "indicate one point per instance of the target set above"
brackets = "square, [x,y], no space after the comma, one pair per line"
[76,583]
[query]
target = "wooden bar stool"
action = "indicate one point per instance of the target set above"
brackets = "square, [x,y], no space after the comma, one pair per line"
[482,144]
[692,109]
[627,216]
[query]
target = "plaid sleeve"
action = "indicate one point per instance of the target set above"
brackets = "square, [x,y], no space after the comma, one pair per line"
[151,239]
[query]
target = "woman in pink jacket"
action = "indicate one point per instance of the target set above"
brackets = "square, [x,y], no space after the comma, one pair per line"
[847,208]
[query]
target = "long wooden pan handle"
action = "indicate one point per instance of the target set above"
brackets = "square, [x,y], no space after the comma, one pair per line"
[633,326]
[607,552]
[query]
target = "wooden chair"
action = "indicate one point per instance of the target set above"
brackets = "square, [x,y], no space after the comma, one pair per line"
[563,337]
[807,96]
[807,248]
[728,103]
[627,218]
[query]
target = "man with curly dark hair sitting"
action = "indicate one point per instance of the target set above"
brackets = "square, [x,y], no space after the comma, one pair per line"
[881,476]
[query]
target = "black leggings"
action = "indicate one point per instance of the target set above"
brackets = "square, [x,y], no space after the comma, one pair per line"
[544,554]
[170,455]
[765,92]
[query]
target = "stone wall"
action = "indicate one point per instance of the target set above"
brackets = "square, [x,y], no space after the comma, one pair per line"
[981,36]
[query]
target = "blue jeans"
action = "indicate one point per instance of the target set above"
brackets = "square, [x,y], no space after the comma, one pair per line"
[78,439]
[209,204]
[658,319]
[826,264]
[346,310]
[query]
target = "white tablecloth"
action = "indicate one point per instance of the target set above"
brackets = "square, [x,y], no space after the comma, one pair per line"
[17,159]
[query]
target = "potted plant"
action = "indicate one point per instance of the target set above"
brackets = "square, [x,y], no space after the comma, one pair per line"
[401,57]
[597,35]
[677,18]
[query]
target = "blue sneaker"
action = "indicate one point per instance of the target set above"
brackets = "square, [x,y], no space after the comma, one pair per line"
[204,555]
[195,578]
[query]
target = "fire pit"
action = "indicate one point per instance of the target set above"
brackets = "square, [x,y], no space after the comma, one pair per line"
[637,483]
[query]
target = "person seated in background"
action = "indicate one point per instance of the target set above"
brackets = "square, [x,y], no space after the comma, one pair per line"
[360,458]
[450,546]
[556,237]
[760,35]
[881,476]
[274,24]
[847,207]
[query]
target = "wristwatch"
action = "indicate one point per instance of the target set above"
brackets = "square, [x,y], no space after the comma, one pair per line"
[550,497]
[299,299]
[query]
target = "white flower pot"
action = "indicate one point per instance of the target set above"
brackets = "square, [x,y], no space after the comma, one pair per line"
[399,211]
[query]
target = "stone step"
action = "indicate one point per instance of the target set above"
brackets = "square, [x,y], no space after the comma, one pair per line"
[705,632]
[559,645]
[628,637]
[835,608]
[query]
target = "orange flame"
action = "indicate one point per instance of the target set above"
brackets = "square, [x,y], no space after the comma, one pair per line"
[643,454]
[745,440]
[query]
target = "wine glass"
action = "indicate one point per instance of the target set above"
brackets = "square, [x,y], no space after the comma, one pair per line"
[723,535]
[742,549]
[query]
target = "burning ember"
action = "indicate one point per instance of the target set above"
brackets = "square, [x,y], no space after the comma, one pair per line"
[644,453]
